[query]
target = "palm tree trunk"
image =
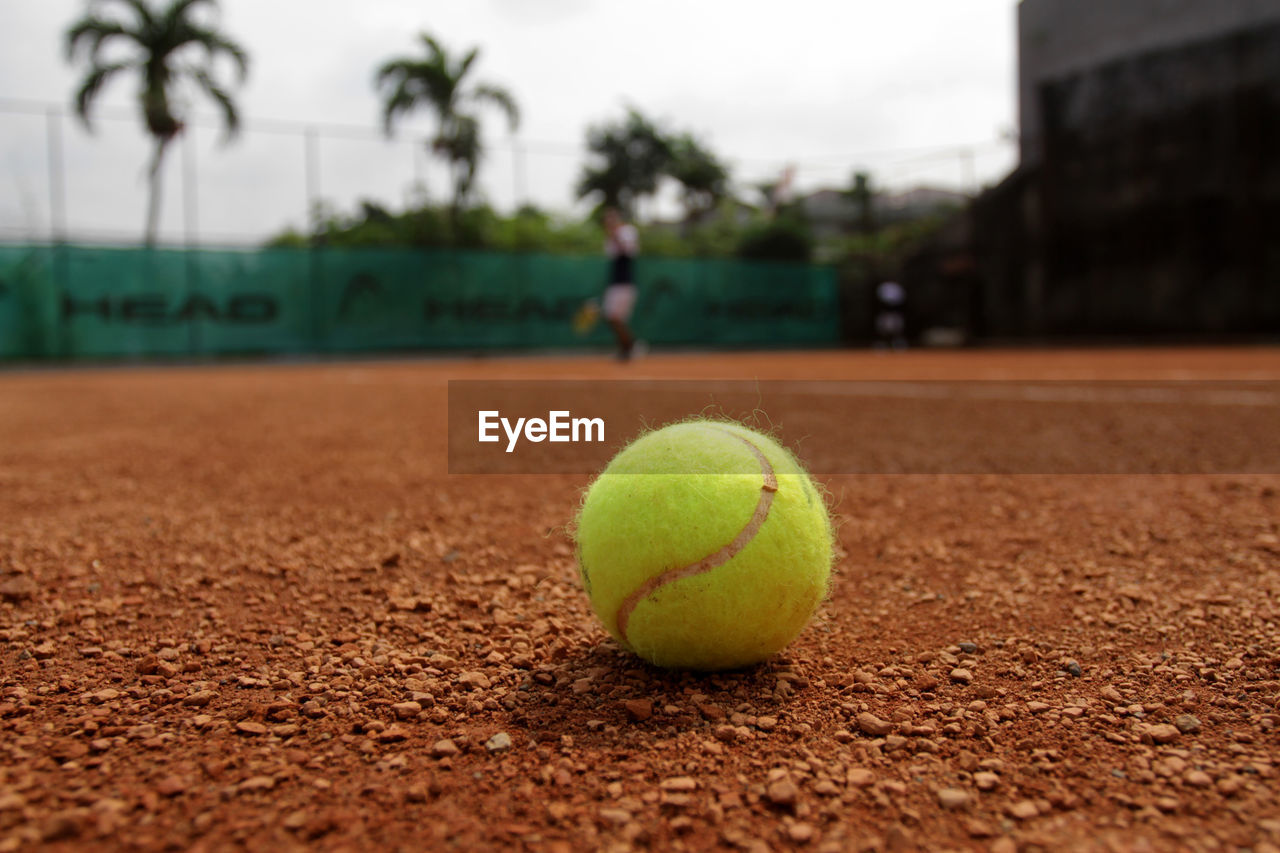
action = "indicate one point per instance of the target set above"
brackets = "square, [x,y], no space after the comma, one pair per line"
[153,202]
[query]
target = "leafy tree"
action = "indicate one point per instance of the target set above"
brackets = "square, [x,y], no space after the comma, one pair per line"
[441,83]
[166,47]
[704,181]
[630,157]
[716,234]
[784,239]
[767,191]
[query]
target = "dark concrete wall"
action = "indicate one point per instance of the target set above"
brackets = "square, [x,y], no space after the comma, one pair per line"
[1152,208]
[1058,39]
[1159,190]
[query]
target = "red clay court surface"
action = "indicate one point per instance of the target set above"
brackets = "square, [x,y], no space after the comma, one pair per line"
[246,607]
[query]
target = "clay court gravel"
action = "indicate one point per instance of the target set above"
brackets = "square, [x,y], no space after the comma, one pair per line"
[245,607]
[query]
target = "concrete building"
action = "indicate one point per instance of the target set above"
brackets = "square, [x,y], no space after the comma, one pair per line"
[1147,202]
[1063,39]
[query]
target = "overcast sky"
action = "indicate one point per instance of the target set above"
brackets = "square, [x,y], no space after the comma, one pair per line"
[916,91]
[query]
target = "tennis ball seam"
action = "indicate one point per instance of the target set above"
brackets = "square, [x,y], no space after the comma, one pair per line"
[767,490]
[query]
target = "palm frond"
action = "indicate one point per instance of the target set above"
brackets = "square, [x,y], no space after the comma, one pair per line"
[230,117]
[213,42]
[501,98]
[146,19]
[467,61]
[401,100]
[435,50]
[399,70]
[442,89]
[177,10]
[427,81]
[93,82]
[94,31]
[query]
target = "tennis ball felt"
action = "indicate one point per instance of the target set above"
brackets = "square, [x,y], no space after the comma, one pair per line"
[704,545]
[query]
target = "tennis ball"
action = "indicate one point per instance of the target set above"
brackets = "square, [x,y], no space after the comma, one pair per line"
[704,545]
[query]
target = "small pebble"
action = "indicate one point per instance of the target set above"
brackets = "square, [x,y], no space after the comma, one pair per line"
[444,748]
[1162,733]
[979,828]
[872,725]
[474,680]
[171,786]
[392,734]
[618,817]
[1198,779]
[782,793]
[500,742]
[860,777]
[1230,785]
[1188,724]
[1023,810]
[406,710]
[800,833]
[638,710]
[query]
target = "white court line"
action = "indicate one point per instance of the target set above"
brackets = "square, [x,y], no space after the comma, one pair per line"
[1048,393]
[992,390]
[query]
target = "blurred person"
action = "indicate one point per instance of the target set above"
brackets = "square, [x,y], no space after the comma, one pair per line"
[621,244]
[891,321]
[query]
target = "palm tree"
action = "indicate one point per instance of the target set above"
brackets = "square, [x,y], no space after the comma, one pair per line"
[439,82]
[631,156]
[166,47]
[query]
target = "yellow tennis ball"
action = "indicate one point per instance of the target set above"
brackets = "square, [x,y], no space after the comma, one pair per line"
[704,545]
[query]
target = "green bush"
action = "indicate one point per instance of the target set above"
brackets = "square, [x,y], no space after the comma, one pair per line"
[781,240]
[732,230]
[428,226]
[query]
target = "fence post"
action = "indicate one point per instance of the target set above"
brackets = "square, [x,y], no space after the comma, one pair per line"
[311,144]
[57,228]
[190,197]
[314,276]
[518,172]
[190,227]
[57,183]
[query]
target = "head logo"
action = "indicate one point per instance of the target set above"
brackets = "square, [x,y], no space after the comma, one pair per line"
[361,298]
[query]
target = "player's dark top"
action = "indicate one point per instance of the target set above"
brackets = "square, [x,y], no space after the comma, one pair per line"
[621,248]
[620,270]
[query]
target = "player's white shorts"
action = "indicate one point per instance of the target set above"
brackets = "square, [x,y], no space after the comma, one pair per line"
[619,301]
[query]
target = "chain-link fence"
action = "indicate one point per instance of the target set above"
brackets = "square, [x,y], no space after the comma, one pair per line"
[64,183]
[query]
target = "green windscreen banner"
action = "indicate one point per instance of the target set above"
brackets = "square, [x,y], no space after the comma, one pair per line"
[92,302]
